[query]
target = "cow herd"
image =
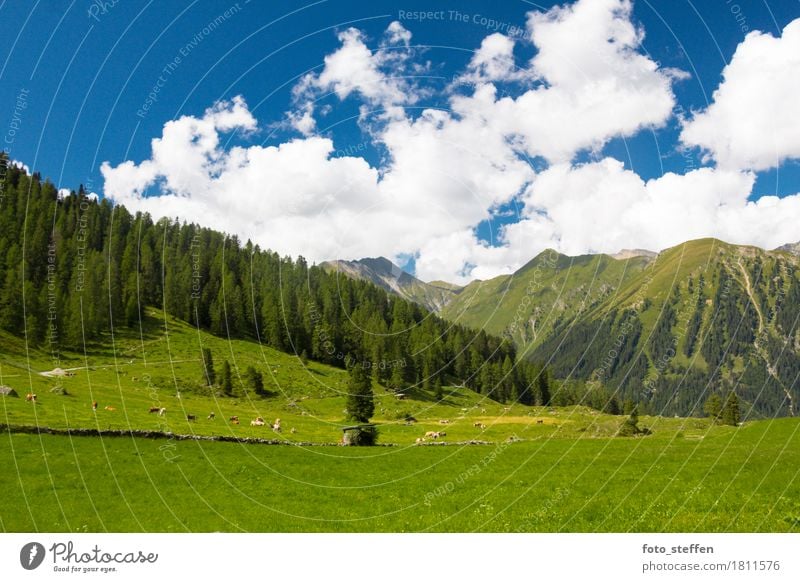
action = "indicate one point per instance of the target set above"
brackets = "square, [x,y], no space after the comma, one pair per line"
[257,421]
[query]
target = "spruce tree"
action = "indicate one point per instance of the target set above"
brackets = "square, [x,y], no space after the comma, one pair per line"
[713,407]
[208,367]
[543,388]
[360,402]
[437,389]
[730,413]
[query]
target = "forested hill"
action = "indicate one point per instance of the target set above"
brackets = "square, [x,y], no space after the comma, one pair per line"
[74,269]
[702,317]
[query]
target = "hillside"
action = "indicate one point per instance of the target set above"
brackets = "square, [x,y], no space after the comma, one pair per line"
[702,317]
[160,366]
[386,275]
[548,291]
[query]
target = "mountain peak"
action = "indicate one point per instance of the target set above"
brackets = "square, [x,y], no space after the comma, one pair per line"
[383,265]
[793,248]
[385,274]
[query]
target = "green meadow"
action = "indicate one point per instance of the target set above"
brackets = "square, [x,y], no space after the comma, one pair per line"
[535,469]
[731,480]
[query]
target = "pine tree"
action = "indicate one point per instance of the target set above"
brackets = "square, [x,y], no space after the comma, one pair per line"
[730,412]
[543,388]
[713,407]
[255,381]
[397,380]
[208,367]
[631,425]
[360,402]
[437,389]
[628,407]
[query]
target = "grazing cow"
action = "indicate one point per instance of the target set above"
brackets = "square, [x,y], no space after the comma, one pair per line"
[234,419]
[420,440]
[506,409]
[483,410]
[162,411]
[211,416]
[294,430]
[110,408]
[434,434]
[540,421]
[154,409]
[276,426]
[479,425]
[191,417]
[257,422]
[94,405]
[29,397]
[444,421]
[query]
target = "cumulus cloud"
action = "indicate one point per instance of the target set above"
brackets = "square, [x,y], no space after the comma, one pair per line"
[379,78]
[594,82]
[493,62]
[754,119]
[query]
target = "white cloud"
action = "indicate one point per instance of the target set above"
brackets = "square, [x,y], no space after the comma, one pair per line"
[302,119]
[379,78]
[594,83]
[493,61]
[754,120]
[602,207]
[396,34]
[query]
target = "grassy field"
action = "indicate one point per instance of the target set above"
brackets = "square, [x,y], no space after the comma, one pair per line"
[541,469]
[731,480]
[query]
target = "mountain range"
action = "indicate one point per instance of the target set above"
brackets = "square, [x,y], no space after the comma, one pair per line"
[667,329]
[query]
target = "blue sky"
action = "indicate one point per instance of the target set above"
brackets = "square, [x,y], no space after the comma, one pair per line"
[85,76]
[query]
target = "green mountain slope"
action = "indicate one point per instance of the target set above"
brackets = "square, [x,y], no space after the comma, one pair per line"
[550,290]
[702,317]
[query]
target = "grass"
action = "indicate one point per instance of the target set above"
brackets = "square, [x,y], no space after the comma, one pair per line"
[564,470]
[731,480]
